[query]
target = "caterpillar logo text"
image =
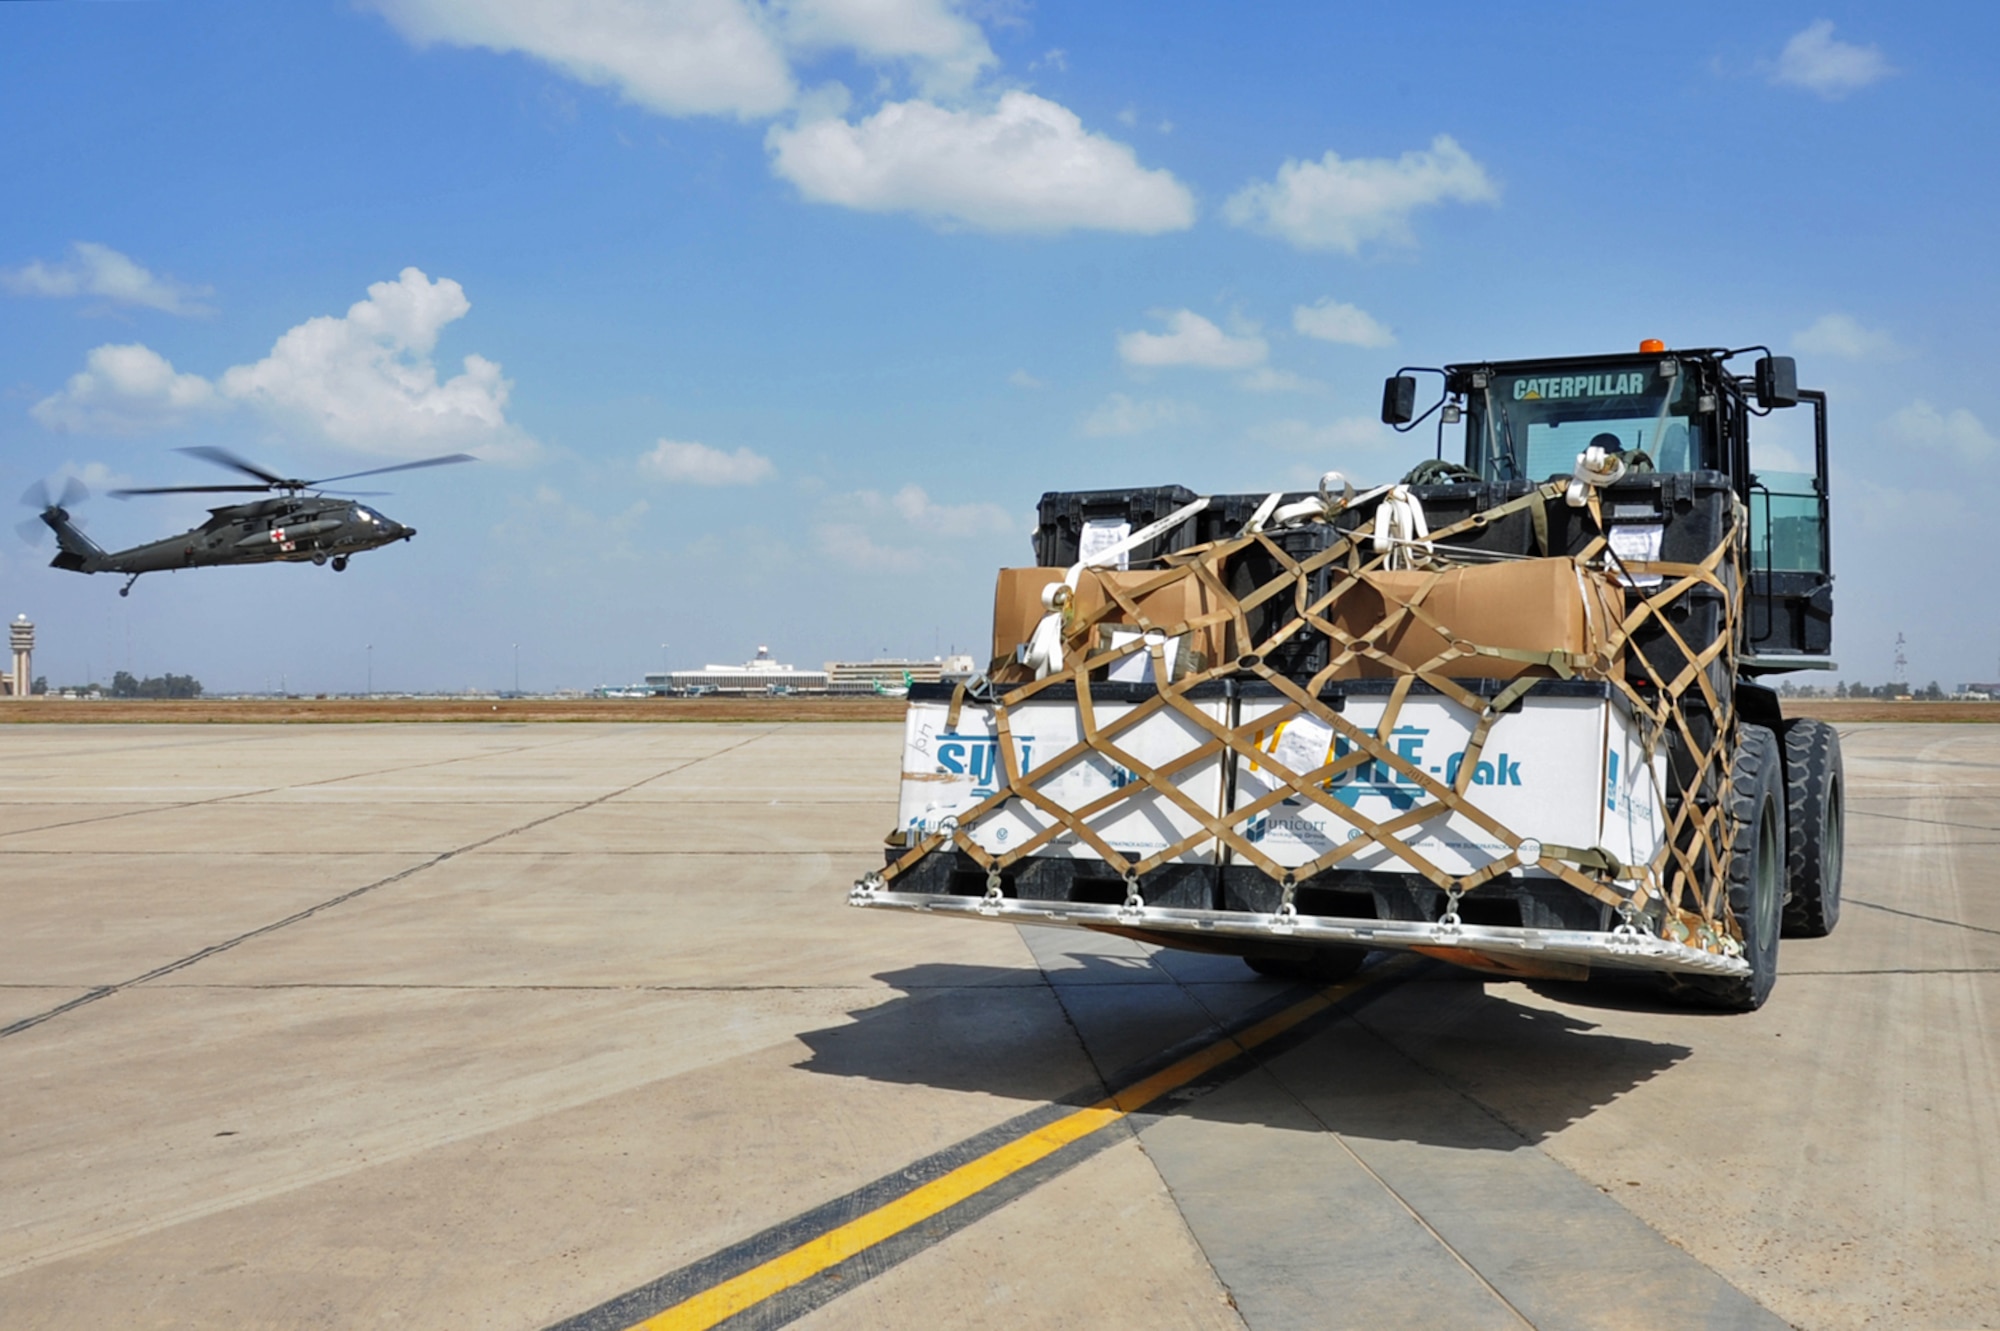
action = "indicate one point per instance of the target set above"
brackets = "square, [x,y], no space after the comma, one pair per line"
[978,756]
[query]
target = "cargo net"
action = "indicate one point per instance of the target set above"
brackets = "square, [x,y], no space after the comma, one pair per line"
[1679,895]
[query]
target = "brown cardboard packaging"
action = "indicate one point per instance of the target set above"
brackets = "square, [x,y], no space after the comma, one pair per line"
[1536,605]
[1017,606]
[1178,602]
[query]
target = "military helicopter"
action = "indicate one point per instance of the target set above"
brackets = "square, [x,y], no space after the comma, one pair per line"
[299,522]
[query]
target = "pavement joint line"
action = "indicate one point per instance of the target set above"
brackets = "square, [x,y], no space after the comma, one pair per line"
[270,790]
[1928,822]
[105,991]
[800,1264]
[1906,970]
[1913,915]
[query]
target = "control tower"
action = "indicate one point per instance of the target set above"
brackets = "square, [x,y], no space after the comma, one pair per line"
[21,636]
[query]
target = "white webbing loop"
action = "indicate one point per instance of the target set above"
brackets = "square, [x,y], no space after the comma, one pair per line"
[1043,652]
[1401,529]
[1594,468]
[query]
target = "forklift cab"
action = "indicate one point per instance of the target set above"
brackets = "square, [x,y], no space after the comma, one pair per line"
[1664,414]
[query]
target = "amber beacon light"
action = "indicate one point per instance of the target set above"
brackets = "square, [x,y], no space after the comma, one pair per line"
[1652,344]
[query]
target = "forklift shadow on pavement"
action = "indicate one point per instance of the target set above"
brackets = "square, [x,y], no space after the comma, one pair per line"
[1432,1057]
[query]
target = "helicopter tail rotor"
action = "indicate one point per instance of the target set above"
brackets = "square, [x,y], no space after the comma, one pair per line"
[76,551]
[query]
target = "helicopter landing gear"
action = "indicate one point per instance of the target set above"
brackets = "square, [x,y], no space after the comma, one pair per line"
[126,590]
[318,558]
[340,563]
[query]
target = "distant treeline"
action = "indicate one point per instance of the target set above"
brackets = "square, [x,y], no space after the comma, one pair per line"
[1931,692]
[126,685]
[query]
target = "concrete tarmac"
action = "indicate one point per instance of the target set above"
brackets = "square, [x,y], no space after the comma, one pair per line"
[486,1025]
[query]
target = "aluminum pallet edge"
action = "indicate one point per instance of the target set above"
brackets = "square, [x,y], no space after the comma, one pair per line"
[1621,949]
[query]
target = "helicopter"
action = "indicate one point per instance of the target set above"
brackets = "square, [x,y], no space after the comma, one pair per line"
[297,523]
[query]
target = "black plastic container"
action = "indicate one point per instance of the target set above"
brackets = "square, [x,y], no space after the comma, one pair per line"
[1063,514]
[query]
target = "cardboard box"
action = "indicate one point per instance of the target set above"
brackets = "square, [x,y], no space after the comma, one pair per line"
[1017,606]
[1179,602]
[1536,605]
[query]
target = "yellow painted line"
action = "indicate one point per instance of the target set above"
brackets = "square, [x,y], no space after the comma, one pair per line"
[720,1302]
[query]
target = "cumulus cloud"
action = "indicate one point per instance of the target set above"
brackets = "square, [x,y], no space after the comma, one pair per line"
[1331,439]
[1814,59]
[687,57]
[851,544]
[1027,165]
[902,532]
[918,509]
[1922,426]
[945,50]
[1192,340]
[1842,335]
[1021,164]
[125,389]
[698,464]
[1264,379]
[1341,204]
[98,270]
[364,380]
[1119,415]
[1332,321]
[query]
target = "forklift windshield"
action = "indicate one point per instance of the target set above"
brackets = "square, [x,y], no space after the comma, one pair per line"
[1532,425]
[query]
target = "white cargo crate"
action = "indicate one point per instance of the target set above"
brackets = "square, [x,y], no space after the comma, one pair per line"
[947,770]
[1563,770]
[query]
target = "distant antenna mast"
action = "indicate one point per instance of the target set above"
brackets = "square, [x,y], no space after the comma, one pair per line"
[1902,675]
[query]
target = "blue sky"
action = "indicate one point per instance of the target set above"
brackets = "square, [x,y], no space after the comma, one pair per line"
[772,320]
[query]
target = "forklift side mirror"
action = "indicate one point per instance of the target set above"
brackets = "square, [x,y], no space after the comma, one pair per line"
[1777,382]
[1399,399]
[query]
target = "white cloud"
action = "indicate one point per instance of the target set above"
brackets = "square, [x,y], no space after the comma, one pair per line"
[687,57]
[125,390]
[1842,335]
[1119,415]
[1022,379]
[1336,204]
[1922,426]
[1027,165]
[918,509]
[99,270]
[1192,340]
[698,464]
[849,543]
[1332,321]
[1264,379]
[901,532]
[367,381]
[364,380]
[1818,62]
[946,50]
[1332,440]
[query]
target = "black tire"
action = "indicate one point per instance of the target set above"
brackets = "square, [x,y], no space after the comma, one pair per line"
[1317,965]
[340,563]
[1815,827]
[1756,876]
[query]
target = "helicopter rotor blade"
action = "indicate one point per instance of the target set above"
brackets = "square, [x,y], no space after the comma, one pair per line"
[445,460]
[222,457]
[34,531]
[37,495]
[359,494]
[127,494]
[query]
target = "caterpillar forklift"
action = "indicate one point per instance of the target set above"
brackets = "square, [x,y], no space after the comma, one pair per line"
[1510,711]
